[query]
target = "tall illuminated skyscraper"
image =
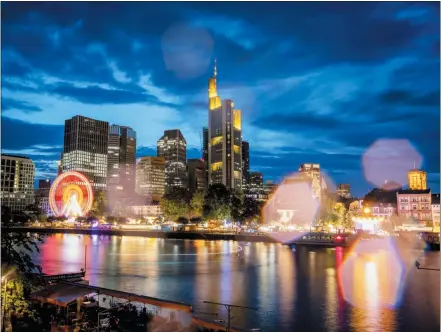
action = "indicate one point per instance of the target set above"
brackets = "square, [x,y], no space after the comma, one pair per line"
[173,147]
[245,165]
[85,149]
[225,139]
[121,157]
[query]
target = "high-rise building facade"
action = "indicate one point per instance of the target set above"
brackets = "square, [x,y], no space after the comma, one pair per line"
[205,145]
[196,175]
[225,139]
[17,182]
[121,156]
[344,190]
[85,149]
[173,148]
[245,164]
[417,179]
[318,183]
[150,177]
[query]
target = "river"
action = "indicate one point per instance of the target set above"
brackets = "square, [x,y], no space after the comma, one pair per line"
[305,289]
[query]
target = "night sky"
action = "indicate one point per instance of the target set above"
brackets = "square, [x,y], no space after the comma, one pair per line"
[317,82]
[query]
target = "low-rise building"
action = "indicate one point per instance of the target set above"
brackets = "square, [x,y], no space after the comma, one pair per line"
[383,210]
[146,210]
[435,209]
[415,204]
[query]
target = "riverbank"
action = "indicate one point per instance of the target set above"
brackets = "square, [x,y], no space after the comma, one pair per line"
[146,233]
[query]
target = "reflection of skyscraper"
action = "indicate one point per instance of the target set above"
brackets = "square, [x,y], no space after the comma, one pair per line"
[417,179]
[86,143]
[173,147]
[225,139]
[121,158]
[245,164]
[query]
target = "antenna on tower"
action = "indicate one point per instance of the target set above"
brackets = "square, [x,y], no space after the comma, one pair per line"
[215,68]
[414,164]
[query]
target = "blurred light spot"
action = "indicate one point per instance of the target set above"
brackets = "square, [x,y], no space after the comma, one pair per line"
[187,50]
[387,161]
[374,272]
[291,209]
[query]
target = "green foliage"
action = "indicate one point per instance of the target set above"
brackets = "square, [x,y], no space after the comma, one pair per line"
[16,249]
[16,297]
[217,205]
[251,210]
[100,205]
[197,202]
[176,203]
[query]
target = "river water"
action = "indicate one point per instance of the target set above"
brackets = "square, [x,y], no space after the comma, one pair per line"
[305,289]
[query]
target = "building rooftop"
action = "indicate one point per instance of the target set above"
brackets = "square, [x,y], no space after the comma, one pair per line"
[14,156]
[413,191]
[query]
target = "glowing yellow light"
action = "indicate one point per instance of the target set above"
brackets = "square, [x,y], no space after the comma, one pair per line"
[236,149]
[216,166]
[236,174]
[216,140]
[237,119]
[367,210]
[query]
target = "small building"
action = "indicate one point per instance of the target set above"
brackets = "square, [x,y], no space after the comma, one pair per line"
[435,209]
[146,210]
[383,210]
[415,204]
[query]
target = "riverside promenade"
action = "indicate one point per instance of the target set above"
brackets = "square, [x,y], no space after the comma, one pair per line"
[176,235]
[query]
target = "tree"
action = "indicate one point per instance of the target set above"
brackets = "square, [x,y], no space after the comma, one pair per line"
[251,209]
[237,207]
[176,203]
[16,250]
[197,202]
[16,297]
[99,208]
[217,202]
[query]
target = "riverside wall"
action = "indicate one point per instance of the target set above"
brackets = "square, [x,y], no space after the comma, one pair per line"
[144,233]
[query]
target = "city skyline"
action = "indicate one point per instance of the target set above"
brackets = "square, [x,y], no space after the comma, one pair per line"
[307,95]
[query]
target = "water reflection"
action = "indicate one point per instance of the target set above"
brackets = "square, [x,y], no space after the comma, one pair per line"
[304,290]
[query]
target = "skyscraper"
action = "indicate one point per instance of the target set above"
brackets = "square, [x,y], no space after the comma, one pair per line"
[205,152]
[205,145]
[196,174]
[245,164]
[121,167]
[150,177]
[318,183]
[85,149]
[17,182]
[225,139]
[173,147]
[417,179]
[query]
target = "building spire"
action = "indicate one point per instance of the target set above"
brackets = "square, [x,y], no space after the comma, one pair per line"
[215,68]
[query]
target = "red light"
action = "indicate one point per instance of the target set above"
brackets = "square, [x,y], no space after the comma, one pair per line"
[338,237]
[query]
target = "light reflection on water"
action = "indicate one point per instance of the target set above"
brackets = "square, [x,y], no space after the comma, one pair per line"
[293,290]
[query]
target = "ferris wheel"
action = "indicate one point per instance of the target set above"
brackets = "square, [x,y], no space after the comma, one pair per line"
[71,195]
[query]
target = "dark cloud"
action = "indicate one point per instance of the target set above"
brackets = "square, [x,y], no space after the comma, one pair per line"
[8,103]
[402,97]
[18,135]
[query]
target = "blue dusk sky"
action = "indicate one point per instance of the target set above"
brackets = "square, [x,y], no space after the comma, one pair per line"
[317,82]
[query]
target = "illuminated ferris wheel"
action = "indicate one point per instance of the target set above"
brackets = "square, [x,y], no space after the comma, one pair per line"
[71,195]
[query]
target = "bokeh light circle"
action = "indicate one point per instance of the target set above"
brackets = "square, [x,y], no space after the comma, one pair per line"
[66,186]
[387,161]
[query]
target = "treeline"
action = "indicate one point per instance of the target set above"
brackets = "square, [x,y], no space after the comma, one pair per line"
[217,203]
